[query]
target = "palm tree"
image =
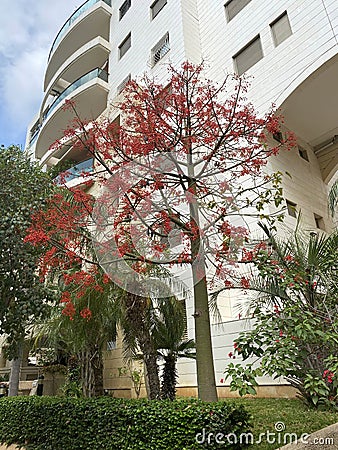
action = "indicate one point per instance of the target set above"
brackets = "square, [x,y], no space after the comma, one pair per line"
[155,329]
[135,317]
[140,317]
[169,336]
[313,256]
[296,284]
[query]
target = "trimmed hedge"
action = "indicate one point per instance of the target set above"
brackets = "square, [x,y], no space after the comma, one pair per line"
[57,423]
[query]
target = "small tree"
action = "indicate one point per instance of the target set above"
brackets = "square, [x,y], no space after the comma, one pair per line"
[85,318]
[295,332]
[83,323]
[24,189]
[169,336]
[91,305]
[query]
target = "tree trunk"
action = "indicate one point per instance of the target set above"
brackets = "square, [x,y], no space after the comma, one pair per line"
[137,310]
[150,361]
[86,374]
[97,364]
[169,378]
[92,372]
[14,377]
[204,356]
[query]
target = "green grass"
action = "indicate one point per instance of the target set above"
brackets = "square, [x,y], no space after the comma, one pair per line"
[296,417]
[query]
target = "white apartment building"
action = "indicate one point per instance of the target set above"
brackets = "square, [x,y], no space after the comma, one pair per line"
[289,47]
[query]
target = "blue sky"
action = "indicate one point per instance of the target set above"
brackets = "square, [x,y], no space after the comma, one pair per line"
[27,30]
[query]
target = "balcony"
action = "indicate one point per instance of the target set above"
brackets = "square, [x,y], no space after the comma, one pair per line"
[77,173]
[90,21]
[89,93]
[311,112]
[96,73]
[93,54]
[81,10]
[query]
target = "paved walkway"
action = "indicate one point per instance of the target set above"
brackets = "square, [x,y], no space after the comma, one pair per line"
[325,439]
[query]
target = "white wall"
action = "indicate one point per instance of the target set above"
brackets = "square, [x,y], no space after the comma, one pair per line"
[145,33]
[309,44]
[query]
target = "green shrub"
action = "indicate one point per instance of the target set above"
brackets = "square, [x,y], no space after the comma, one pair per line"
[56,423]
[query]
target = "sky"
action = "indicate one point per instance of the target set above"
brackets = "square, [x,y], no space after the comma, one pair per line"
[27,31]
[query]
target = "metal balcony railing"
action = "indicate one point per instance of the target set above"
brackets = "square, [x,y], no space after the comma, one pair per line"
[83,8]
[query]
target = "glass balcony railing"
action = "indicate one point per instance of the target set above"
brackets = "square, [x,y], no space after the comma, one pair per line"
[96,73]
[34,136]
[83,8]
[81,169]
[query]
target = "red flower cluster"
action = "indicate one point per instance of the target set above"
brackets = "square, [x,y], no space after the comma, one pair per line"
[245,283]
[236,348]
[86,313]
[276,309]
[328,376]
[69,310]
[105,279]
[65,297]
[247,255]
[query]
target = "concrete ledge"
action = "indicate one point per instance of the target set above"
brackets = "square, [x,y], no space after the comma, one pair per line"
[11,447]
[263,391]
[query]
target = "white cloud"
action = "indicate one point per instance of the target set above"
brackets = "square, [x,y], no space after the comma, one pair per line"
[27,30]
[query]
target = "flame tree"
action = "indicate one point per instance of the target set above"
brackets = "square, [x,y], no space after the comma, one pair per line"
[181,176]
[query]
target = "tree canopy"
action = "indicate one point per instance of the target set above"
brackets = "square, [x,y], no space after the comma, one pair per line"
[24,189]
[184,163]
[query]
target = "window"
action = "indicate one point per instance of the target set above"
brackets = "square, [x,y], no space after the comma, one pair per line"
[320,224]
[114,129]
[34,132]
[291,208]
[125,46]
[124,8]
[278,136]
[248,56]
[160,50]
[156,7]
[303,153]
[281,29]
[123,84]
[163,98]
[233,7]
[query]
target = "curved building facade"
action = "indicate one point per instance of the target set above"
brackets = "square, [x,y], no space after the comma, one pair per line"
[288,47]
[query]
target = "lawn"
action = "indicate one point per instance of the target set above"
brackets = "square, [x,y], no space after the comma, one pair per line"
[289,413]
